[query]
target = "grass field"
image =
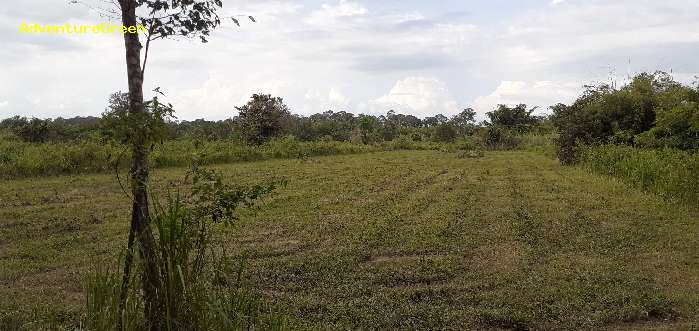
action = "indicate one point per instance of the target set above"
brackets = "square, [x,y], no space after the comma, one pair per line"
[409,239]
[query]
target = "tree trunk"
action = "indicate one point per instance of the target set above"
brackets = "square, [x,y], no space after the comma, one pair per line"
[140,216]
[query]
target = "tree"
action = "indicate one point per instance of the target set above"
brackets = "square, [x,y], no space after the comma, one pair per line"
[262,118]
[435,120]
[163,19]
[367,127]
[33,131]
[517,118]
[464,122]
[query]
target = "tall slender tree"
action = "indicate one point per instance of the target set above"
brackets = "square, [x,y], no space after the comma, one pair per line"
[162,19]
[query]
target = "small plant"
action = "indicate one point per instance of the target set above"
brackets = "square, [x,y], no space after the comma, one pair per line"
[200,288]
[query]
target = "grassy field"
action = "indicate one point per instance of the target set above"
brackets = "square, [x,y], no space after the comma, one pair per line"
[407,239]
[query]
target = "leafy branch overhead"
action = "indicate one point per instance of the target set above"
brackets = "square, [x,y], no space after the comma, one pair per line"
[188,18]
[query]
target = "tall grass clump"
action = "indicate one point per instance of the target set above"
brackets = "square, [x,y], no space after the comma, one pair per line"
[201,286]
[670,173]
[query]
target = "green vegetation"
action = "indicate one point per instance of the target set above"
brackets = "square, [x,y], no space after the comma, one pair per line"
[433,223]
[21,159]
[645,133]
[200,287]
[402,239]
[670,173]
[653,111]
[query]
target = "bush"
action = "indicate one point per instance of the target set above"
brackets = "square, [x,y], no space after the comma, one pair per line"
[652,111]
[445,133]
[499,138]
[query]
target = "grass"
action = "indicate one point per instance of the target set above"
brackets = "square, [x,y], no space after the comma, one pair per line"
[670,173]
[20,159]
[406,239]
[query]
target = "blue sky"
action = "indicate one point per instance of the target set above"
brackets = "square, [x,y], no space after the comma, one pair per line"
[418,57]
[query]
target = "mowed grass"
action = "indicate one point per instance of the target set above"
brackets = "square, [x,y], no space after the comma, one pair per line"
[413,239]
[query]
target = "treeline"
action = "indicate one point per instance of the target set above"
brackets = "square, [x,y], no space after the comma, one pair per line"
[264,128]
[266,117]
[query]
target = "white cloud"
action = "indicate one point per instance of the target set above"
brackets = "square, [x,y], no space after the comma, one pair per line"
[337,54]
[4,103]
[333,99]
[419,96]
[330,13]
[536,93]
[345,8]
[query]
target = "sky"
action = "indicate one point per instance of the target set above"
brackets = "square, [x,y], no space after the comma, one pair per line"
[416,57]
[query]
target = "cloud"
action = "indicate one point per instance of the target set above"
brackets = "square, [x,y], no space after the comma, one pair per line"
[319,54]
[332,99]
[218,97]
[4,103]
[329,14]
[418,96]
[532,93]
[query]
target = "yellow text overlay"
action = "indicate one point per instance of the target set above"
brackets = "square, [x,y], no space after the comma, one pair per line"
[68,28]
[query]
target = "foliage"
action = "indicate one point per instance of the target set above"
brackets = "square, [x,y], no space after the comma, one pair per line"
[517,118]
[464,122]
[34,131]
[262,118]
[128,128]
[652,111]
[44,130]
[677,127]
[444,133]
[499,138]
[19,159]
[200,288]
[186,18]
[670,173]
[367,128]
[337,125]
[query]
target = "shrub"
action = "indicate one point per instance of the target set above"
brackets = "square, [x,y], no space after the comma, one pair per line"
[652,111]
[499,138]
[445,133]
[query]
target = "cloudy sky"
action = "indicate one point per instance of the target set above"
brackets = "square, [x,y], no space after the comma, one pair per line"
[420,57]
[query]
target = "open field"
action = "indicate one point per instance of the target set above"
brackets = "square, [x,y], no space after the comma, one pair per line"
[409,239]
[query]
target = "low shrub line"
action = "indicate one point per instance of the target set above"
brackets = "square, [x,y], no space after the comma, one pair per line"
[20,159]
